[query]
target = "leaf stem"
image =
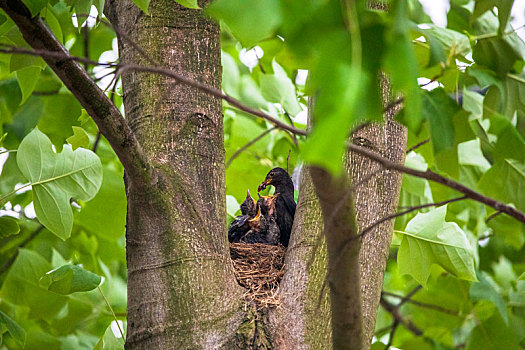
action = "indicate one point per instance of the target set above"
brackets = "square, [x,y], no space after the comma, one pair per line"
[352,23]
[113,312]
[7,195]
[8,151]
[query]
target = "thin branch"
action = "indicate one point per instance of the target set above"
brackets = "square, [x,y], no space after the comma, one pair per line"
[288,161]
[243,148]
[393,105]
[123,68]
[394,311]
[369,228]
[212,91]
[432,176]
[60,56]
[292,124]
[126,38]
[492,216]
[407,299]
[105,114]
[417,145]
[409,210]
[85,32]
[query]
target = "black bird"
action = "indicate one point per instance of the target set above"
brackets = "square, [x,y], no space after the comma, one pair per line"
[284,201]
[261,228]
[241,225]
[264,225]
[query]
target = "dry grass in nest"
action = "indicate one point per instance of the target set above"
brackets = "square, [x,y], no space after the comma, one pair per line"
[259,268]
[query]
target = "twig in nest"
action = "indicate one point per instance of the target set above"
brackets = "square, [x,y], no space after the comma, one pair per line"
[258,268]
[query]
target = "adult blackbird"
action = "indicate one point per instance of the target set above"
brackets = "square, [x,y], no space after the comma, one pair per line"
[241,225]
[284,201]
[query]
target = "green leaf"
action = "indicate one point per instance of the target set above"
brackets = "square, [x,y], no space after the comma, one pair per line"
[69,279]
[21,286]
[56,178]
[17,332]
[492,334]
[511,190]
[54,24]
[510,144]
[439,109]
[414,191]
[18,62]
[8,227]
[143,5]
[191,4]
[428,239]
[27,79]
[522,277]
[512,231]
[82,10]
[400,61]
[504,7]
[230,75]
[109,341]
[332,122]
[249,21]
[35,6]
[487,289]
[232,206]
[452,40]
[111,198]
[279,88]
[79,139]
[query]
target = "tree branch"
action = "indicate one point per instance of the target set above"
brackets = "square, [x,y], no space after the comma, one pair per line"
[243,148]
[404,212]
[408,299]
[212,91]
[105,114]
[398,318]
[339,223]
[432,176]
[122,68]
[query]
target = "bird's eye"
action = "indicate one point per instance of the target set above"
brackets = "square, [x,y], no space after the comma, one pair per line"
[272,173]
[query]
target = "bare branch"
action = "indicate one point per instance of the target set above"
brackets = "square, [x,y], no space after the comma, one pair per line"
[398,318]
[212,91]
[404,212]
[122,68]
[408,299]
[105,114]
[417,145]
[432,176]
[243,148]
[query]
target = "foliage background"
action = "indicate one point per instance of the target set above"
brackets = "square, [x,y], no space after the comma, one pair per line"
[469,261]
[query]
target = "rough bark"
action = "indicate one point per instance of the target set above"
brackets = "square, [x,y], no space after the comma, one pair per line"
[303,320]
[376,196]
[340,233]
[182,293]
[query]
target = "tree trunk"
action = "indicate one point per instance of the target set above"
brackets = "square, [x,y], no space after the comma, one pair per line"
[182,293]
[181,289]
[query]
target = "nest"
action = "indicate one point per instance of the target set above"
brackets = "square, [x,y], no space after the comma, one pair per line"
[259,268]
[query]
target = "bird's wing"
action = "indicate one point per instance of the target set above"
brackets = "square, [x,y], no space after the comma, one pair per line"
[290,204]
